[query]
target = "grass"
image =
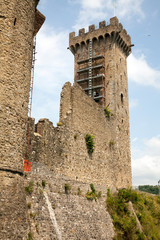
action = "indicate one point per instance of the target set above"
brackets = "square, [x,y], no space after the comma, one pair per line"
[43,183]
[93,194]
[79,192]
[90,143]
[111,143]
[147,209]
[59,124]
[107,112]
[29,188]
[29,205]
[30,237]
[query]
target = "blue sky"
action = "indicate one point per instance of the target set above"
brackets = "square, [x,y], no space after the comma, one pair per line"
[55,66]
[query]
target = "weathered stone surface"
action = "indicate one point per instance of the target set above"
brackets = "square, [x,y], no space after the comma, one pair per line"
[59,154]
[13,207]
[63,149]
[16,47]
[16,44]
[76,217]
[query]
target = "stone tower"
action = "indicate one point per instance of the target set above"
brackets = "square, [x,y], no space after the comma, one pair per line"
[19,22]
[100,68]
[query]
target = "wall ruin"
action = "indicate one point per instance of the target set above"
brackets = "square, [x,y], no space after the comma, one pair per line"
[63,149]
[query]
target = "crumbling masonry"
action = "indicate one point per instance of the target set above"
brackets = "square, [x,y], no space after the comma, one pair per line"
[63,148]
[59,154]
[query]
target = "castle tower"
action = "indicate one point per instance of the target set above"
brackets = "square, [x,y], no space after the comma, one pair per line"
[19,22]
[100,60]
[100,68]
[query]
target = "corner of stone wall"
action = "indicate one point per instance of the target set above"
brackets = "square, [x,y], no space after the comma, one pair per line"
[65,102]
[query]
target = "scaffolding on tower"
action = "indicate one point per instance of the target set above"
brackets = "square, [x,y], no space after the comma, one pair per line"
[27,163]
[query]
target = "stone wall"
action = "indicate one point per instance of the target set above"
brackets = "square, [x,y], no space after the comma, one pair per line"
[16,44]
[17,25]
[63,149]
[110,48]
[53,214]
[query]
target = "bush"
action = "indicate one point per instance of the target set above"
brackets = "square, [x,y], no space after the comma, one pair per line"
[90,143]
[29,188]
[149,189]
[67,188]
[29,236]
[59,124]
[107,112]
[111,143]
[29,205]
[43,183]
[93,195]
[146,208]
[79,192]
[75,136]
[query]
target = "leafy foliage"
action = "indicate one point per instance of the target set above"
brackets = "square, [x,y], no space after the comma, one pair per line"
[29,236]
[111,143]
[90,143]
[29,205]
[79,192]
[147,209]
[59,124]
[149,189]
[93,194]
[107,112]
[43,183]
[29,188]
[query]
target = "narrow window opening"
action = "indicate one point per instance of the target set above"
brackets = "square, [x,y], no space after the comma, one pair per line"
[15,20]
[121,98]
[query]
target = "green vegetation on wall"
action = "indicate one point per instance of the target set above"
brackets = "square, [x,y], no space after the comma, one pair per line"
[59,124]
[93,194]
[90,143]
[147,209]
[29,188]
[107,112]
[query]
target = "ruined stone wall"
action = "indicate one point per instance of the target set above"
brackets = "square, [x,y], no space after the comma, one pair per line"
[63,149]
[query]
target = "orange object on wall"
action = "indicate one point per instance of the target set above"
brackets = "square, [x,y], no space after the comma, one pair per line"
[27,166]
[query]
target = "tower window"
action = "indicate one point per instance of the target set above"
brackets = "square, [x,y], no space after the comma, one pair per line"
[15,20]
[121,98]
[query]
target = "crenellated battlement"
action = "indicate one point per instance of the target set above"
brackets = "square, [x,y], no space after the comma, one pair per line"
[114,31]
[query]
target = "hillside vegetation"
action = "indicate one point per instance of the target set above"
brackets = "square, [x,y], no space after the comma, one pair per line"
[149,189]
[137,223]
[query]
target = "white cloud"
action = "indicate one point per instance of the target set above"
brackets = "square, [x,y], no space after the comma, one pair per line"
[54,67]
[93,10]
[146,168]
[129,8]
[140,72]
[154,144]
